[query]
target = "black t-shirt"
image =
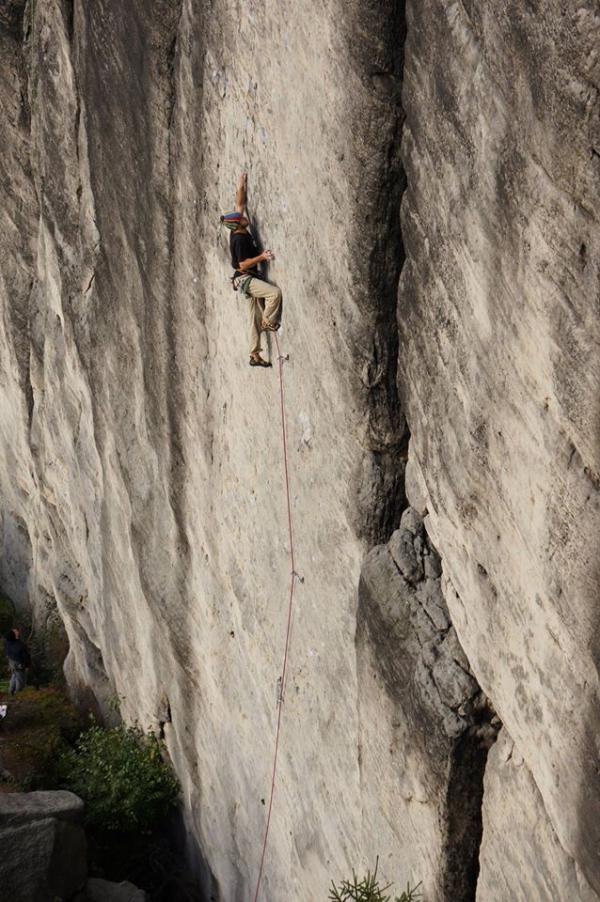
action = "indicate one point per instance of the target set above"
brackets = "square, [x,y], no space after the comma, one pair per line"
[243,247]
[18,652]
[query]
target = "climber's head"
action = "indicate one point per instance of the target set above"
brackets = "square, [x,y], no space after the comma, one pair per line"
[234,221]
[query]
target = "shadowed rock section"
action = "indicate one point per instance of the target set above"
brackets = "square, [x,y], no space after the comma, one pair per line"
[375,168]
[407,641]
[11,17]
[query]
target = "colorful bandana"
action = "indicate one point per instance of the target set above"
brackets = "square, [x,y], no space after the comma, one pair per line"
[231,220]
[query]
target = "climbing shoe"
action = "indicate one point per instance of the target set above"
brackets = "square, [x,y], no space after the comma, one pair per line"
[270,327]
[258,361]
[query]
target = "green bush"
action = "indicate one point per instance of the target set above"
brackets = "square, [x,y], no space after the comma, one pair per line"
[369,890]
[122,778]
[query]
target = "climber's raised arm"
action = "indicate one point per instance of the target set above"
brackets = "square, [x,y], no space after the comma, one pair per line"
[240,197]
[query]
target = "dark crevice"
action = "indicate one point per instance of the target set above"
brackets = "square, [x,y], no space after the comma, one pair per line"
[405,623]
[423,666]
[376,119]
[464,806]
[69,8]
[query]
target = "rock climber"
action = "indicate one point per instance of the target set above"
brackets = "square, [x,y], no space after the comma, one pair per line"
[18,660]
[264,299]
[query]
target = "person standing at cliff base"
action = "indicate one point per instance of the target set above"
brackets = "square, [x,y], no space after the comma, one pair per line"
[18,661]
[264,299]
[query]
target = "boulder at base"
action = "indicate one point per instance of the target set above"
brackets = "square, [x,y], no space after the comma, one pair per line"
[103,891]
[43,846]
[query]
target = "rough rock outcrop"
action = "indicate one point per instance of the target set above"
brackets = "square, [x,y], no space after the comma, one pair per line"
[425,726]
[43,846]
[141,473]
[44,852]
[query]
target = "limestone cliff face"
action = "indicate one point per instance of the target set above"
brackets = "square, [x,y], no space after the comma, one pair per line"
[142,481]
[499,329]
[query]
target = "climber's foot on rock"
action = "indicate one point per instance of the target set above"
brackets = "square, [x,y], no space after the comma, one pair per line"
[256,360]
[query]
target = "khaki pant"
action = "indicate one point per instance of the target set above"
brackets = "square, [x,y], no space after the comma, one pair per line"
[264,303]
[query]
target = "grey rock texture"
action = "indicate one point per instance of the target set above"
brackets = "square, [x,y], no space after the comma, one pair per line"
[521,856]
[19,807]
[425,726]
[44,852]
[97,890]
[141,477]
[142,473]
[499,336]
[43,846]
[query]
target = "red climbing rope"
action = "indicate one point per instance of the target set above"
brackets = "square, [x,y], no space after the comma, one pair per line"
[293,576]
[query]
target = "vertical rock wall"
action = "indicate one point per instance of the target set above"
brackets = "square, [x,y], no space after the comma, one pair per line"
[156,499]
[142,483]
[17,250]
[499,343]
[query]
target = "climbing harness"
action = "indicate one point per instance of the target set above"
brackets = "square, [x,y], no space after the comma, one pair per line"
[241,283]
[294,577]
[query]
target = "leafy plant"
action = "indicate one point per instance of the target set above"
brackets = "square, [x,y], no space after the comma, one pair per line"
[411,895]
[122,778]
[369,890]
